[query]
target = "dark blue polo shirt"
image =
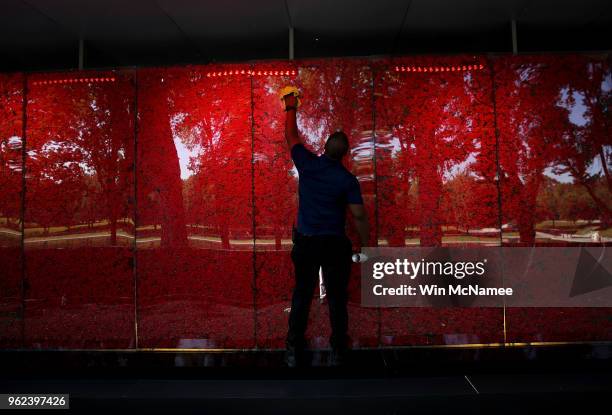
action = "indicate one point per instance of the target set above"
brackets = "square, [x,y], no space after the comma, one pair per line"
[326,187]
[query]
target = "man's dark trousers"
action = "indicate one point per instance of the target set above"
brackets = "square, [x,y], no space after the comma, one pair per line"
[333,254]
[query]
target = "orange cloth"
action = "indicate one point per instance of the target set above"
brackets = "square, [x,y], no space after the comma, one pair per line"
[289,89]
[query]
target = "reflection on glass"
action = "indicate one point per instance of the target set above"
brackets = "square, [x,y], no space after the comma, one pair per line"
[194,164]
[80,137]
[195,226]
[435,165]
[555,149]
[78,215]
[436,154]
[555,157]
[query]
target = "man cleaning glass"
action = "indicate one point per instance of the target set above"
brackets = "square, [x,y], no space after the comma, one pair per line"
[326,189]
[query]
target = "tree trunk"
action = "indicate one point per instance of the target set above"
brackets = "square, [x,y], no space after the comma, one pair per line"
[526,227]
[430,192]
[113,229]
[160,163]
[526,205]
[606,213]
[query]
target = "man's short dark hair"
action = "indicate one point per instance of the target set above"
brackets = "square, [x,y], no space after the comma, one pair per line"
[337,145]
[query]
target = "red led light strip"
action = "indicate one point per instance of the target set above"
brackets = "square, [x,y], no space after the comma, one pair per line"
[208,74]
[250,73]
[455,68]
[75,81]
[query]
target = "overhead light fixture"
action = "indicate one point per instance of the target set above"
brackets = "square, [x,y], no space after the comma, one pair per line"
[472,67]
[74,81]
[249,72]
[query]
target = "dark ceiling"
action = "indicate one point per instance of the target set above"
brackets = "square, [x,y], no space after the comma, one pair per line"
[44,34]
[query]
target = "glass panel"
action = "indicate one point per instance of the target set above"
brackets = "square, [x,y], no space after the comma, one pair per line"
[435,165]
[336,95]
[275,195]
[555,160]
[79,213]
[195,225]
[11,169]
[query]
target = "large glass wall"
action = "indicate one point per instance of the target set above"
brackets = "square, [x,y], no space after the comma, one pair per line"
[159,202]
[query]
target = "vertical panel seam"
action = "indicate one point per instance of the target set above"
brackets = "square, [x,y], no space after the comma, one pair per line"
[376,223]
[498,183]
[135,209]
[24,120]
[253,220]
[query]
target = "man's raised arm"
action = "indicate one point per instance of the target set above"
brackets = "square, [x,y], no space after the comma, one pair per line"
[291,129]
